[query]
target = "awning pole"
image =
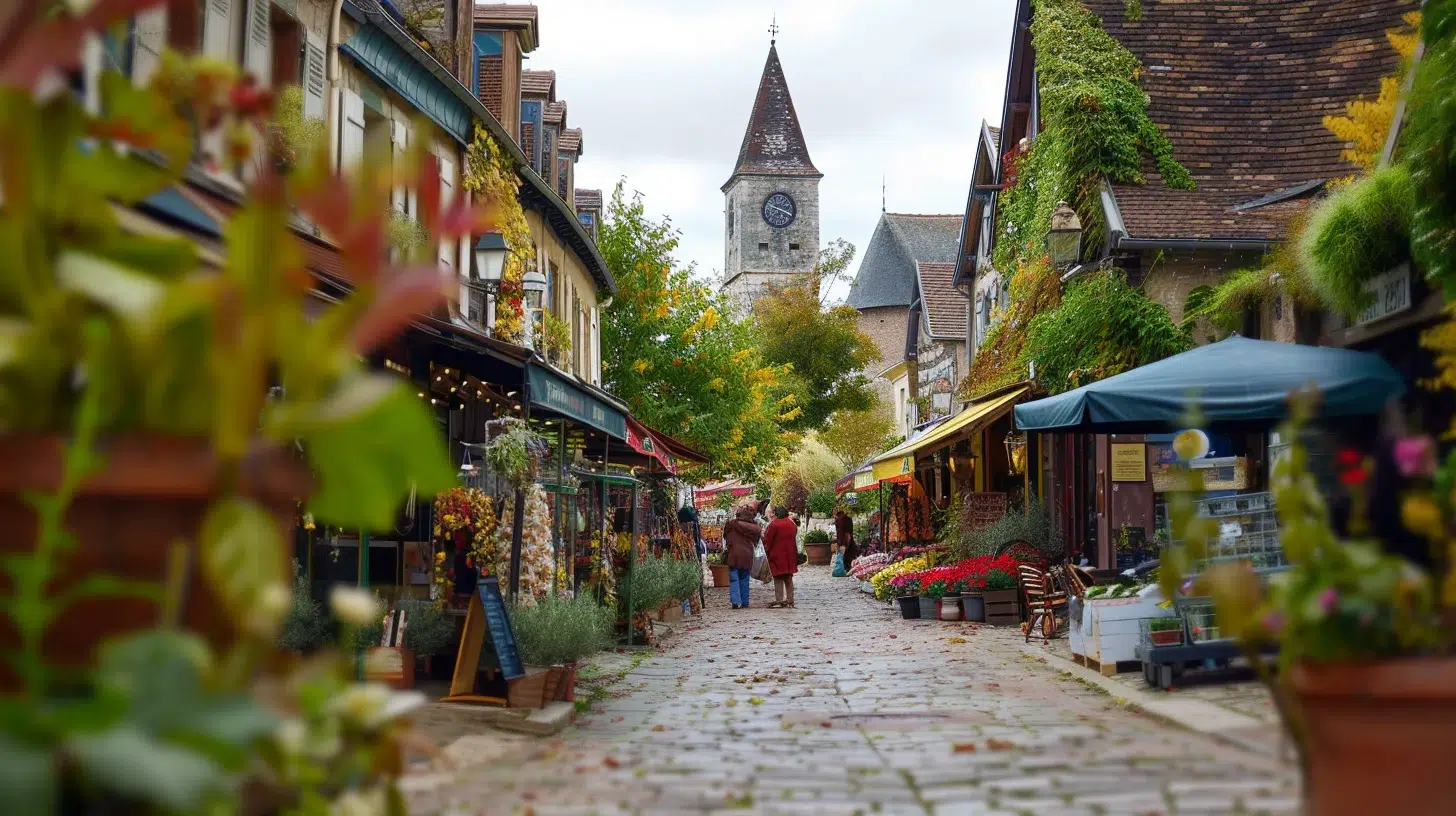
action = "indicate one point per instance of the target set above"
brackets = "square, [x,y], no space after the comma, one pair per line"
[518,523]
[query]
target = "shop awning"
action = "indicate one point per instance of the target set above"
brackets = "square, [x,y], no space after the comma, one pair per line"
[901,458]
[641,439]
[556,393]
[1235,383]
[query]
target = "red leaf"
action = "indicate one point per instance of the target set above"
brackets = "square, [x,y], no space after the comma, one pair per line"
[33,42]
[409,293]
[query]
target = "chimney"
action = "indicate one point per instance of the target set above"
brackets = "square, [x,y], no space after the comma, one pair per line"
[503,34]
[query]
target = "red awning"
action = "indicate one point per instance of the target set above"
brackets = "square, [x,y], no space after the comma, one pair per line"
[640,438]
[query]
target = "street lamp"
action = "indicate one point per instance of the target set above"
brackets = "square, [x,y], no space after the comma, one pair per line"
[490,263]
[1064,242]
[533,286]
[1016,452]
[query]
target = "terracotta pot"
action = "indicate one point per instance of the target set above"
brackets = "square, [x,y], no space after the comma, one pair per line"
[534,690]
[720,574]
[1167,637]
[152,491]
[818,554]
[1380,737]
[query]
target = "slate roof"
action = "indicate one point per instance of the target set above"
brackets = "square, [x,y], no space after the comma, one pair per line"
[995,138]
[1241,88]
[886,275]
[570,140]
[773,143]
[539,83]
[555,113]
[587,199]
[944,307]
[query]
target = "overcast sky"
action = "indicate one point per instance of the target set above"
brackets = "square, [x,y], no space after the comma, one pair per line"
[663,88]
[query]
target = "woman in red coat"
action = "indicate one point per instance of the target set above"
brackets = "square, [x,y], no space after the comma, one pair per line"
[781,544]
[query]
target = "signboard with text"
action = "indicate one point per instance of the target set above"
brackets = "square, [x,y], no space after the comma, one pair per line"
[555,393]
[1130,462]
[1387,294]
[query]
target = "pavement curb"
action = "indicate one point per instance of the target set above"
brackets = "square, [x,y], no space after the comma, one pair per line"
[1199,716]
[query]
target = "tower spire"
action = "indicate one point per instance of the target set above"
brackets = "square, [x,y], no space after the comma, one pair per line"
[773,29]
[883,206]
[773,143]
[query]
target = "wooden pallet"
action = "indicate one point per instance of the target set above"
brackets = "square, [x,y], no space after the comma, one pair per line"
[1106,669]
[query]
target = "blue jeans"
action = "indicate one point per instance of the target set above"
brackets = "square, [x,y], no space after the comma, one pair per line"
[738,586]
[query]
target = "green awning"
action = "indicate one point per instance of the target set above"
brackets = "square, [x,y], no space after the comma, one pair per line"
[556,393]
[1235,383]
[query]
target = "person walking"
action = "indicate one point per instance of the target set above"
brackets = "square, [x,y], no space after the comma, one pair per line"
[781,543]
[844,532]
[739,538]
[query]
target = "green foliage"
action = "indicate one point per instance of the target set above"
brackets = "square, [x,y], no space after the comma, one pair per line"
[1000,361]
[554,631]
[291,134]
[809,469]
[821,502]
[673,352]
[999,580]
[1033,527]
[817,537]
[854,436]
[650,582]
[1096,125]
[406,236]
[1429,145]
[1133,9]
[1281,273]
[1102,327]
[823,349]
[511,455]
[1362,230]
[1165,625]
[428,629]
[307,628]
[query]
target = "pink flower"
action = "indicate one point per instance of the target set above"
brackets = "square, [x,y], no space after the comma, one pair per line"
[1329,599]
[1274,623]
[1415,456]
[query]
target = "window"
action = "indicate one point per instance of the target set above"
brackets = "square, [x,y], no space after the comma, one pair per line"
[793,246]
[763,246]
[288,49]
[730,219]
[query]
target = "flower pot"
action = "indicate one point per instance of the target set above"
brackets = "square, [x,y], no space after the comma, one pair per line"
[1170,637]
[973,607]
[909,607]
[818,554]
[929,608]
[151,491]
[950,608]
[720,574]
[1380,737]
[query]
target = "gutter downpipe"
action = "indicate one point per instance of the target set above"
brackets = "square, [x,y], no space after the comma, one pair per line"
[331,117]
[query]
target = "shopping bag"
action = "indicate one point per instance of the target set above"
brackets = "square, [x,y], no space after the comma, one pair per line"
[836,566]
[761,569]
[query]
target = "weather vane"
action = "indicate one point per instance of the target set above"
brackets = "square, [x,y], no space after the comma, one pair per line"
[773,29]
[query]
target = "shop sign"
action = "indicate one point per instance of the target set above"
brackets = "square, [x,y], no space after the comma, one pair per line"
[1130,462]
[1388,293]
[553,393]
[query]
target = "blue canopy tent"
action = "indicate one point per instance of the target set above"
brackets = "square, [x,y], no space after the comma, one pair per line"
[1235,384]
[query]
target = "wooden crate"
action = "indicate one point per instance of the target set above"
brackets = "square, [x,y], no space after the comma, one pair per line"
[1003,607]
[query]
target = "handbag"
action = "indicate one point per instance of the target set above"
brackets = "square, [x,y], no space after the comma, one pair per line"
[761,570]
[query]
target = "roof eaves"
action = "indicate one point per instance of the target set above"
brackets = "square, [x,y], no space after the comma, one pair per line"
[585,248]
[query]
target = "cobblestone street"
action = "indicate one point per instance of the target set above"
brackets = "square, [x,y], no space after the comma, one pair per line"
[839,707]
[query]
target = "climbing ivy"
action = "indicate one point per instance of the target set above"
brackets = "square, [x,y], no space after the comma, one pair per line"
[1282,272]
[1102,327]
[1096,125]
[490,172]
[1430,145]
[999,361]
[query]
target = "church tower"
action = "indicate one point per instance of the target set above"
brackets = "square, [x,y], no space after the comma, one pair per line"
[771,213]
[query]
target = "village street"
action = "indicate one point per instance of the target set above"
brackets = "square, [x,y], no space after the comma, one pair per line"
[839,707]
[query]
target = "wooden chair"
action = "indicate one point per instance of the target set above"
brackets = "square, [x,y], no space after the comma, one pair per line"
[1033,588]
[1047,605]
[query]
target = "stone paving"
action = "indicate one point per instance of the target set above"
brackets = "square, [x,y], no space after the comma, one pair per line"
[840,707]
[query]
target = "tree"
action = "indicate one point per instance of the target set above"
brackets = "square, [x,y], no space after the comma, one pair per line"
[673,353]
[854,435]
[823,349]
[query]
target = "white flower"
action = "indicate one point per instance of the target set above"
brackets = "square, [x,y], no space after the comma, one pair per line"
[371,705]
[269,610]
[291,737]
[371,802]
[353,606]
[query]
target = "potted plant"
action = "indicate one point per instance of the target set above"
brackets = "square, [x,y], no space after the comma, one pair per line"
[1166,631]
[1001,598]
[973,603]
[930,594]
[307,628]
[1367,689]
[428,630]
[906,591]
[556,633]
[718,569]
[816,546]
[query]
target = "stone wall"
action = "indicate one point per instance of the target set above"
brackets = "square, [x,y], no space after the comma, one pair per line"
[752,246]
[1172,276]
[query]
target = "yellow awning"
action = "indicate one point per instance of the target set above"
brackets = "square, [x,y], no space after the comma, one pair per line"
[896,468]
[969,419]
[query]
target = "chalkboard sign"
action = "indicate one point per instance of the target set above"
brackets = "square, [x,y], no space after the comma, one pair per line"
[499,624]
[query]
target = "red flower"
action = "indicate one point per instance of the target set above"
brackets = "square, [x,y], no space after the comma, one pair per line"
[1353,471]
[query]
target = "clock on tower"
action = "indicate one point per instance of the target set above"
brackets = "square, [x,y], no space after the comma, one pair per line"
[779,210]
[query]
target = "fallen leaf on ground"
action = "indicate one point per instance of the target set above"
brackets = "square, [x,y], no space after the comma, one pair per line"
[956,640]
[993,685]
[892,637]
[963,748]
[612,762]
[999,745]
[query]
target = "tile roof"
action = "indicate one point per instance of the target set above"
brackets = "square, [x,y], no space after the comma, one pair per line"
[570,140]
[587,199]
[773,143]
[1241,88]
[539,83]
[995,137]
[944,307]
[555,113]
[522,13]
[886,275]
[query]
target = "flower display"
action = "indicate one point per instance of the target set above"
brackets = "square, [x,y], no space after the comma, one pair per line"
[881,581]
[538,552]
[866,566]
[952,579]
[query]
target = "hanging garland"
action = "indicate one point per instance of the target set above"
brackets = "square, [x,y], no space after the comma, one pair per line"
[490,173]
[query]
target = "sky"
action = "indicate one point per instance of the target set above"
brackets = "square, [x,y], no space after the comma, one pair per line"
[892,89]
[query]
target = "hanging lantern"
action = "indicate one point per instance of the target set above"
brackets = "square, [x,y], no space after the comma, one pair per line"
[1016,452]
[1064,241]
